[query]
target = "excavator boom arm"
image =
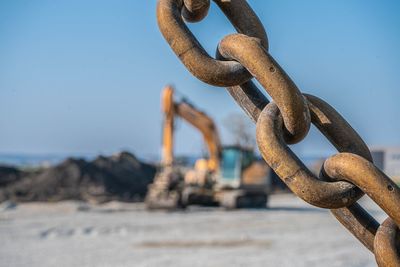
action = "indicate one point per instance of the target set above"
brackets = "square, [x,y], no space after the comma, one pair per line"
[206,126]
[194,117]
[167,105]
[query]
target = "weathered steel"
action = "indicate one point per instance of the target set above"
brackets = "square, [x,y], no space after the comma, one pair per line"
[378,187]
[359,222]
[249,98]
[345,176]
[251,54]
[193,55]
[364,174]
[195,10]
[244,19]
[386,244]
[292,171]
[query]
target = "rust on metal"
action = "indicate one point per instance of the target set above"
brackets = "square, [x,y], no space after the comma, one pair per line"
[344,178]
[244,19]
[291,103]
[359,222]
[386,244]
[292,171]
[249,98]
[382,190]
[364,174]
[192,54]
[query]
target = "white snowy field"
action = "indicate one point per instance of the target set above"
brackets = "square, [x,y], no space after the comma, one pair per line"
[289,233]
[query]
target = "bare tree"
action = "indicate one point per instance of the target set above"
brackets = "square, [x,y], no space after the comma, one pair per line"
[241,129]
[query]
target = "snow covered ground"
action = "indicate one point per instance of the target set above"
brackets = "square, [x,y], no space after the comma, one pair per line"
[289,233]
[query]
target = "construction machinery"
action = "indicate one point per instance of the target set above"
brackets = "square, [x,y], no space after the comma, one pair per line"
[231,176]
[243,181]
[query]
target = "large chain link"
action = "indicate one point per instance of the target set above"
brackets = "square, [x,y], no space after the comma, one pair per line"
[344,177]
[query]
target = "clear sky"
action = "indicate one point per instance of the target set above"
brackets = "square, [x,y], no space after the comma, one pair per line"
[85,76]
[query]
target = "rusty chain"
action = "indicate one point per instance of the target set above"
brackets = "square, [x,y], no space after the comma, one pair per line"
[344,177]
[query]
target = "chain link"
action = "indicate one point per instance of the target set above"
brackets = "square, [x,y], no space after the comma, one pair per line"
[292,171]
[249,52]
[344,177]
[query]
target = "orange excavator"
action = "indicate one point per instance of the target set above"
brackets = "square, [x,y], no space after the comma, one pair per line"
[230,176]
[194,117]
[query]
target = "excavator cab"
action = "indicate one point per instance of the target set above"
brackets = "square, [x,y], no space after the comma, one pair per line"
[230,177]
[174,186]
[234,160]
[242,180]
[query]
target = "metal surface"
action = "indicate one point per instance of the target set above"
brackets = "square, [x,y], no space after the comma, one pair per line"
[195,10]
[251,54]
[387,244]
[344,178]
[292,171]
[362,173]
[249,98]
[193,55]
[359,222]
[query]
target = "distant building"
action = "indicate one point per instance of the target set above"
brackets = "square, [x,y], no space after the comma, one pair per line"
[388,160]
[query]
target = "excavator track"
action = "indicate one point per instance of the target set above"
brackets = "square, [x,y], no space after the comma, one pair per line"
[166,190]
[241,199]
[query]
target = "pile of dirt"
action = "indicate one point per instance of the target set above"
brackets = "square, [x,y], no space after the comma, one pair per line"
[119,177]
[9,175]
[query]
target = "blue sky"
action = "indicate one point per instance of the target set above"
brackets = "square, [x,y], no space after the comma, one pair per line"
[85,76]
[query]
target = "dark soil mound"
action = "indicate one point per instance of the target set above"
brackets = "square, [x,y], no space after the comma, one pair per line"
[119,177]
[9,175]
